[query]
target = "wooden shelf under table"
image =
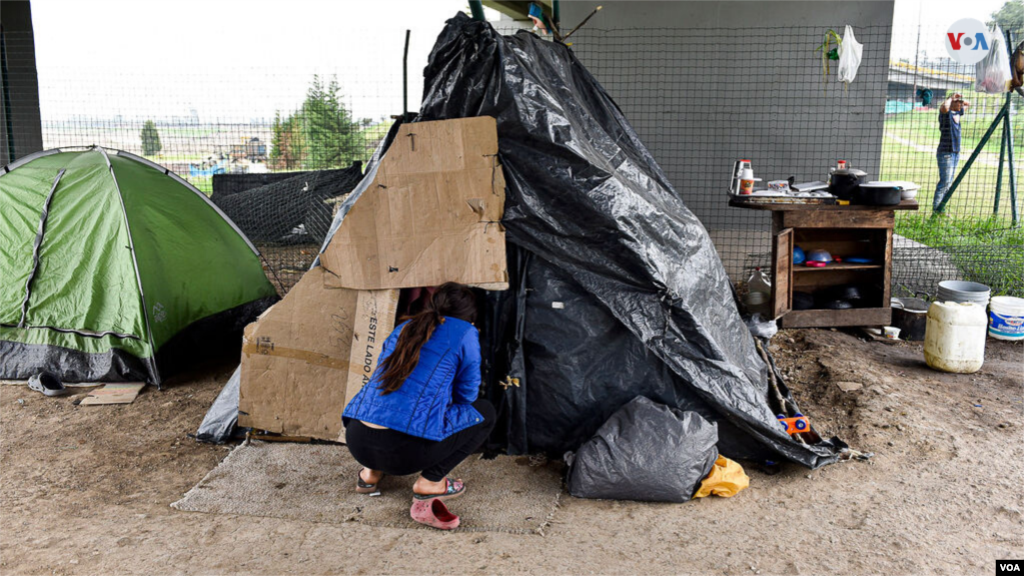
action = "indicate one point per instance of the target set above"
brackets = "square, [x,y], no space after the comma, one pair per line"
[800,268]
[824,318]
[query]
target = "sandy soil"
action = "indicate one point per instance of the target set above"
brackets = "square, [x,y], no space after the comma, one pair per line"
[85,490]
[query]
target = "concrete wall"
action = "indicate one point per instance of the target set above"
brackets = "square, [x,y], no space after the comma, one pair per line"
[20,124]
[707,83]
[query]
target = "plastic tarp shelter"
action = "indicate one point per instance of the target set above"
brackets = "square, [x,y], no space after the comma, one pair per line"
[617,288]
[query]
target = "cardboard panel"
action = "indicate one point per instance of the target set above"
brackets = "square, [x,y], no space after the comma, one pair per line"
[309,354]
[432,214]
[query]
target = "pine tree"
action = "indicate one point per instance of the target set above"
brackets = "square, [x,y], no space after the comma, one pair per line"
[288,143]
[321,134]
[150,139]
[331,134]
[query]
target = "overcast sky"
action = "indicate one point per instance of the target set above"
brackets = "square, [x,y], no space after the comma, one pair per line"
[229,56]
[935,17]
[242,59]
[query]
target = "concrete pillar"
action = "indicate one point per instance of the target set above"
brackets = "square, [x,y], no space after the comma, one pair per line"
[21,129]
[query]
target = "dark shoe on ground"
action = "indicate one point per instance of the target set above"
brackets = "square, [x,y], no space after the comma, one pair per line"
[365,488]
[433,512]
[47,384]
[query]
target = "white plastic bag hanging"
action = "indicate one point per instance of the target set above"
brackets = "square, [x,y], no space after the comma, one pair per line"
[849,56]
[992,75]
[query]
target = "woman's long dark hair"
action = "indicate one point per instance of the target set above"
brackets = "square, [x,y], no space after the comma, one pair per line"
[450,299]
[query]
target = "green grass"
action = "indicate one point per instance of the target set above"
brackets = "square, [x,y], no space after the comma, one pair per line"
[980,240]
[922,126]
[985,250]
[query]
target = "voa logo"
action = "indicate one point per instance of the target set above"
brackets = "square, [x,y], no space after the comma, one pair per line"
[1005,567]
[967,41]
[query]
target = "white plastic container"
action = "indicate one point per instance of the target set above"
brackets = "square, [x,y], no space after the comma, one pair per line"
[1006,318]
[954,337]
[759,291]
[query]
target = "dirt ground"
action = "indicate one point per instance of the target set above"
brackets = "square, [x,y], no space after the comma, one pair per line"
[85,490]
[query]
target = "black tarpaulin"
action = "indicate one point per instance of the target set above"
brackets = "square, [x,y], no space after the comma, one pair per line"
[616,288]
[587,198]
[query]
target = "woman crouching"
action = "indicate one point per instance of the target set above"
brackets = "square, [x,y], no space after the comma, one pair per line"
[420,413]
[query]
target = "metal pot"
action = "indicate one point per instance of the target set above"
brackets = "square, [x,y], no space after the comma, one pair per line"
[878,194]
[910,315]
[844,183]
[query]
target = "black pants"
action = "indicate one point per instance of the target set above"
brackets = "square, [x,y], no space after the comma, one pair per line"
[400,454]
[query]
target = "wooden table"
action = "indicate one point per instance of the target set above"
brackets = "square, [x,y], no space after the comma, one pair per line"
[843,231]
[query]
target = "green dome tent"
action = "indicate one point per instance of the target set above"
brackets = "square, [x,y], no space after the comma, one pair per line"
[113,268]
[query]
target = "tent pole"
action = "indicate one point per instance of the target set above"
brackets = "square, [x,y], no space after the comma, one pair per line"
[405,78]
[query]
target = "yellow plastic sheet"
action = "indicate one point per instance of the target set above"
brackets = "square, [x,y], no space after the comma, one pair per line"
[725,480]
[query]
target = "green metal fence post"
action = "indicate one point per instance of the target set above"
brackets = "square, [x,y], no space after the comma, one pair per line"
[999,173]
[1008,135]
[477,8]
[974,155]
[1011,172]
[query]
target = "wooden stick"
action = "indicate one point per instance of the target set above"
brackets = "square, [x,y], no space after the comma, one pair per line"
[585,20]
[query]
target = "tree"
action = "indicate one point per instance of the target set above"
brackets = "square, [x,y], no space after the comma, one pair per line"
[288,146]
[150,139]
[1010,17]
[321,134]
[330,131]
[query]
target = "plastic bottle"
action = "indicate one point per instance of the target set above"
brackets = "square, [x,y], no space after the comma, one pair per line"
[759,291]
[954,337]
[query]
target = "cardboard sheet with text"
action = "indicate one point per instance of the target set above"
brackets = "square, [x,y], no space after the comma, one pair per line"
[431,215]
[307,356]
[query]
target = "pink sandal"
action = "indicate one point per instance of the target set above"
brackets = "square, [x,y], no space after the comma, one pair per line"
[433,513]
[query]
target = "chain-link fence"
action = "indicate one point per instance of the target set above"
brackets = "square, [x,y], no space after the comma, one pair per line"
[704,98]
[699,98]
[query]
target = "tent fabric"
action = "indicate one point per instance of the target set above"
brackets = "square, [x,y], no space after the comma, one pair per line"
[129,257]
[586,197]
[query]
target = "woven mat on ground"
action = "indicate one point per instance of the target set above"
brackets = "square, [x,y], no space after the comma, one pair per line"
[316,483]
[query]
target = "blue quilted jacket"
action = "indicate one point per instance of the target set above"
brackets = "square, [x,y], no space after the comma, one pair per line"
[434,402]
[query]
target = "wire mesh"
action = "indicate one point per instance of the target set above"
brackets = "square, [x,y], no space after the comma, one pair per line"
[699,98]
[704,98]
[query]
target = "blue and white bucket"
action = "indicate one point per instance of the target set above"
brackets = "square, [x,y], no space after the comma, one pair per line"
[1006,318]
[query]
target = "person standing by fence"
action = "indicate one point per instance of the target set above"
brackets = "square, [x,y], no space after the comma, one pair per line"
[948,154]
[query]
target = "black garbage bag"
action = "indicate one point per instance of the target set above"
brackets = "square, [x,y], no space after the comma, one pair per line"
[586,202]
[586,196]
[645,451]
